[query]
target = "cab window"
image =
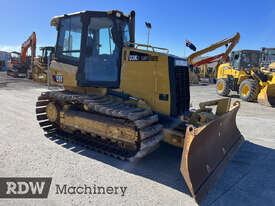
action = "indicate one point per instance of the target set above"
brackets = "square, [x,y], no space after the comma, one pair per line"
[69,40]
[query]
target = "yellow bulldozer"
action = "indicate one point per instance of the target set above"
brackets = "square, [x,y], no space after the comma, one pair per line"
[40,67]
[122,98]
[244,75]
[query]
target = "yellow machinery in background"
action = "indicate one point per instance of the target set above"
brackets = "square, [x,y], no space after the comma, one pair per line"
[122,98]
[244,75]
[195,74]
[268,59]
[267,95]
[40,68]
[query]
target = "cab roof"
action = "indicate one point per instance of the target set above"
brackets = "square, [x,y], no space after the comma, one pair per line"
[55,20]
[247,50]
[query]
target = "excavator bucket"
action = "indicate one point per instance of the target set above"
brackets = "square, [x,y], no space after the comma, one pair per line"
[267,95]
[207,150]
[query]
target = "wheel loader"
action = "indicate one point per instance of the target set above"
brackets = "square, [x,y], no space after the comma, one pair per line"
[267,96]
[122,98]
[268,59]
[40,68]
[244,75]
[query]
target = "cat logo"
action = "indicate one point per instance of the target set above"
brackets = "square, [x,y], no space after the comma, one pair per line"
[58,78]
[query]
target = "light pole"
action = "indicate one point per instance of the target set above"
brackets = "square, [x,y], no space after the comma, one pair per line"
[149,26]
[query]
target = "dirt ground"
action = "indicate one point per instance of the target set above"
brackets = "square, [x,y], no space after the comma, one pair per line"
[249,179]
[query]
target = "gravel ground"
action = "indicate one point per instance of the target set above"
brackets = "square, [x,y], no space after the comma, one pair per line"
[249,179]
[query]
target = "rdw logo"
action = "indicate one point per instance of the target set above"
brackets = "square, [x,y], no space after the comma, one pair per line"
[25,187]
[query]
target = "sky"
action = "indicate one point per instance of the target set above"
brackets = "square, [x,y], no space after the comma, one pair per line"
[203,22]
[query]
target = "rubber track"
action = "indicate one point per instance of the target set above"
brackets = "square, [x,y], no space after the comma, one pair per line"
[145,121]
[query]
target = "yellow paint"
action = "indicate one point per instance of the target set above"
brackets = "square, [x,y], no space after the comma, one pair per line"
[144,80]
[267,89]
[220,86]
[39,72]
[272,66]
[245,90]
[97,124]
[147,79]
[173,137]
[66,70]
[225,70]
[52,112]
[140,79]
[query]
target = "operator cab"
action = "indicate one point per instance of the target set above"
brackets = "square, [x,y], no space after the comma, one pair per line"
[93,41]
[14,57]
[267,57]
[46,52]
[245,59]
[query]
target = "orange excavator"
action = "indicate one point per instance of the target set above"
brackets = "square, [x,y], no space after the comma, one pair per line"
[195,75]
[23,68]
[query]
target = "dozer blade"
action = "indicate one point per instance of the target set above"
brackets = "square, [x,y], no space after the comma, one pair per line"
[267,95]
[207,150]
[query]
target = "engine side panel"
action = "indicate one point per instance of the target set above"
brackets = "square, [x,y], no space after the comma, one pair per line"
[63,74]
[145,74]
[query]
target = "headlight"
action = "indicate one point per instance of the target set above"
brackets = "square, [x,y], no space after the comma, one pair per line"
[180,62]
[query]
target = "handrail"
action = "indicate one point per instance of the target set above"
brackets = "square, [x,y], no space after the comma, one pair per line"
[148,46]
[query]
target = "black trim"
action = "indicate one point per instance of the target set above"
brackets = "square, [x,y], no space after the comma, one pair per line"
[71,51]
[58,54]
[171,67]
[163,97]
[81,80]
[80,75]
[122,95]
[179,88]
[132,27]
[233,83]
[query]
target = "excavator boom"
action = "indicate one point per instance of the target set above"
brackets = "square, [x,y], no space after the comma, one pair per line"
[223,57]
[22,69]
[30,42]
[209,60]
[232,41]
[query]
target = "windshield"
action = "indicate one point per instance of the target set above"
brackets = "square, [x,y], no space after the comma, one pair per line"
[15,55]
[269,55]
[69,41]
[250,59]
[103,48]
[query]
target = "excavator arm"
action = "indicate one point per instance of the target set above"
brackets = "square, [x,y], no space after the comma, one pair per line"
[232,41]
[30,42]
[209,60]
[222,57]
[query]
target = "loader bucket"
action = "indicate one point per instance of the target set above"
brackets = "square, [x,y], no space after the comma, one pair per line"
[207,150]
[267,95]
